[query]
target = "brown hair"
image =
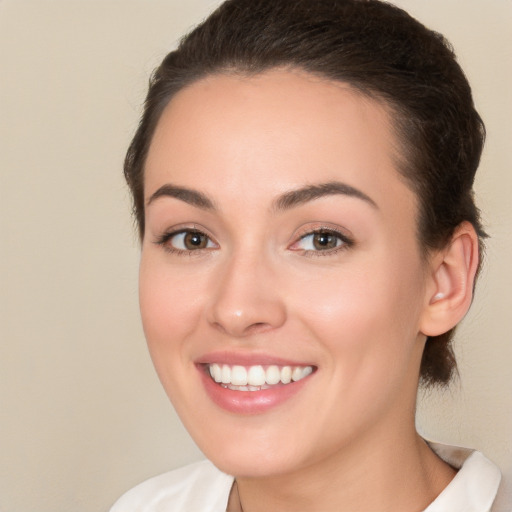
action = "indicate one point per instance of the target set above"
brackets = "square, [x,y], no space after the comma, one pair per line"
[379,50]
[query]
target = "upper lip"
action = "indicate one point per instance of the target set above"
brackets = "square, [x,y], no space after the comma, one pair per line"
[247,359]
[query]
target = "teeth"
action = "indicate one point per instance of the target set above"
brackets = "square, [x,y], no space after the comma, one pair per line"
[215,372]
[238,376]
[225,373]
[244,388]
[286,374]
[273,375]
[255,378]
[299,373]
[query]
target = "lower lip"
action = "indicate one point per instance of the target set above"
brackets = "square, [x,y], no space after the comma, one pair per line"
[250,402]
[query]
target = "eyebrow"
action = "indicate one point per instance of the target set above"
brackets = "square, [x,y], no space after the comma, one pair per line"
[192,197]
[311,192]
[286,201]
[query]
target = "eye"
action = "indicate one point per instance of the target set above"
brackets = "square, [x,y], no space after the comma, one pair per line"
[322,240]
[186,240]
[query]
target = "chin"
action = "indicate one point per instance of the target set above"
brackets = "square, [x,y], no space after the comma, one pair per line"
[253,463]
[253,447]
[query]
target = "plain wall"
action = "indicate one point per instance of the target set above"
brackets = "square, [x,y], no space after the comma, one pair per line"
[82,415]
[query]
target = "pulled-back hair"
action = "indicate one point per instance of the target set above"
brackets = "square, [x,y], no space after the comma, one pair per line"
[380,51]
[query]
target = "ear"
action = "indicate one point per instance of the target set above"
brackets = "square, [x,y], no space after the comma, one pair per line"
[449,289]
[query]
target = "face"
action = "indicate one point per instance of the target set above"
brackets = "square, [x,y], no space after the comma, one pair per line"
[281,281]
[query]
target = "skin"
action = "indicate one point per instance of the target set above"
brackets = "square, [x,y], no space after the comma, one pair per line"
[358,313]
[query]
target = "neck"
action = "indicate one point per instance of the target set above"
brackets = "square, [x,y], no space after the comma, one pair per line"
[399,474]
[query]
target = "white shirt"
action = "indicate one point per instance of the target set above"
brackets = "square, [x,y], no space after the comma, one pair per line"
[201,487]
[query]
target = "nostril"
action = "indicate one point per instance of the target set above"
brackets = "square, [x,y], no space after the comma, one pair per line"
[255,328]
[258,327]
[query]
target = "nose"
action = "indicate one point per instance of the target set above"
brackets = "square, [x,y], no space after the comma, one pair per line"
[246,299]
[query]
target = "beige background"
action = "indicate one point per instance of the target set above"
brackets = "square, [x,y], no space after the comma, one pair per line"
[82,416]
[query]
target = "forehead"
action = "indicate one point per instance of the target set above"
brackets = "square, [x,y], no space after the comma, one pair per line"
[263,134]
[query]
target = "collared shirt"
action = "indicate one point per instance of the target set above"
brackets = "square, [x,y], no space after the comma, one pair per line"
[201,487]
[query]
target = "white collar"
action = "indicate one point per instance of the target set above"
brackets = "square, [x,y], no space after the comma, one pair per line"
[475,485]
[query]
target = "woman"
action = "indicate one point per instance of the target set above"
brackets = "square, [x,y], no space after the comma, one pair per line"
[302,181]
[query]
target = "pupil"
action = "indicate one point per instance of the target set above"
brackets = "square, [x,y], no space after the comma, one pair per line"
[324,241]
[195,240]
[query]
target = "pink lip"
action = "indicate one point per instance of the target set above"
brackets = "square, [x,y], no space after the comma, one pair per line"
[247,359]
[248,402]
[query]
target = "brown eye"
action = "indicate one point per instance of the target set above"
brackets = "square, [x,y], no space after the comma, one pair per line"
[195,240]
[186,241]
[323,241]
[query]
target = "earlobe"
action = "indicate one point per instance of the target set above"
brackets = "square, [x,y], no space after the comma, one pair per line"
[450,287]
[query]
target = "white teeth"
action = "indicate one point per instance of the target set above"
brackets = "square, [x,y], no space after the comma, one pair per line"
[215,372]
[273,375]
[286,375]
[244,388]
[238,376]
[307,370]
[255,378]
[299,373]
[225,374]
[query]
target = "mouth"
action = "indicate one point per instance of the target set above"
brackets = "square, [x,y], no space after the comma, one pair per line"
[257,377]
[249,383]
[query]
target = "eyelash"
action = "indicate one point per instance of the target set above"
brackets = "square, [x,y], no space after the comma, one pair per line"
[346,242]
[164,238]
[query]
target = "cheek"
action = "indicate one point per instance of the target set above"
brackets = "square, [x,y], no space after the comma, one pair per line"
[366,324]
[367,318]
[169,305]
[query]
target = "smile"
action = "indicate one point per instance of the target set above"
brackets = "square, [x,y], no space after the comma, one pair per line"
[256,378]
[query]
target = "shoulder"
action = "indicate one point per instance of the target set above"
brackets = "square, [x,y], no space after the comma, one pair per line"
[198,486]
[475,485]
